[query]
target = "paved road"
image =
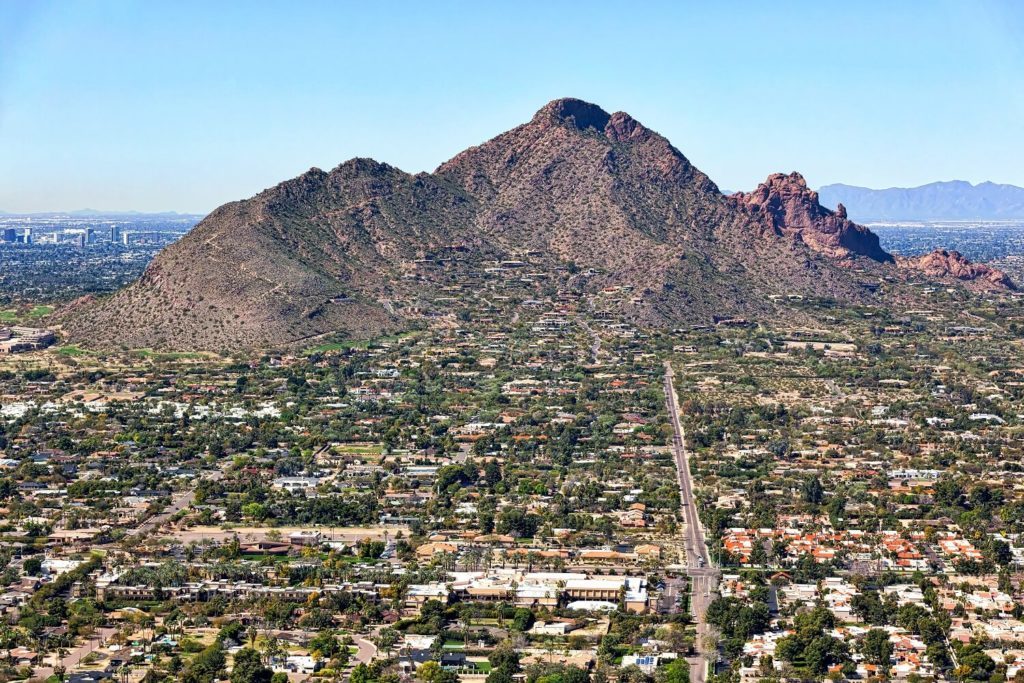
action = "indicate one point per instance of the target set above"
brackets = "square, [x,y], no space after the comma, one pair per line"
[669,602]
[595,346]
[699,567]
[75,656]
[366,650]
[179,501]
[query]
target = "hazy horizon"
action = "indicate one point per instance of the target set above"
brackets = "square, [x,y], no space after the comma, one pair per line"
[85,211]
[157,107]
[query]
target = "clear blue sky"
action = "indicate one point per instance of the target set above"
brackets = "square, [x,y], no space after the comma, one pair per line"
[186,105]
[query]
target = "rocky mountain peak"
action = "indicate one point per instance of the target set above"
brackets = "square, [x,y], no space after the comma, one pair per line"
[574,113]
[584,116]
[622,127]
[785,205]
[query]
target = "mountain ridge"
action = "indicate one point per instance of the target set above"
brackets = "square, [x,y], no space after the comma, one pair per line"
[580,189]
[97,213]
[943,200]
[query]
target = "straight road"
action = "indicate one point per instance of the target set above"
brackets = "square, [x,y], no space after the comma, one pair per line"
[699,567]
[75,656]
[595,346]
[671,595]
[179,501]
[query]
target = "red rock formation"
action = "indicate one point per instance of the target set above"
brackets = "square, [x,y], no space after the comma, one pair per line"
[946,264]
[785,205]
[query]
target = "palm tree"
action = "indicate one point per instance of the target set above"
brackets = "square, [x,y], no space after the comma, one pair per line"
[41,648]
[531,558]
[501,614]
[386,639]
[272,649]
[467,621]
[473,557]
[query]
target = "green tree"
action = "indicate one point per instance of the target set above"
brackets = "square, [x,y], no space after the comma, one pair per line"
[811,645]
[676,671]
[206,666]
[523,619]
[738,619]
[505,657]
[387,639]
[326,645]
[248,668]
[431,672]
[812,491]
[361,674]
[233,631]
[876,647]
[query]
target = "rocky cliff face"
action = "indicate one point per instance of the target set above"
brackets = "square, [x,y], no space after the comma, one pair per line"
[943,264]
[784,204]
[325,252]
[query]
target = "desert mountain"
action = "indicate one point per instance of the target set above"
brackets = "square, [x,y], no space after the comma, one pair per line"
[787,206]
[594,199]
[783,204]
[952,200]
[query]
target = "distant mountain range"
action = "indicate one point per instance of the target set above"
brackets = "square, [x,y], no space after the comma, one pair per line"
[950,201]
[593,202]
[95,213]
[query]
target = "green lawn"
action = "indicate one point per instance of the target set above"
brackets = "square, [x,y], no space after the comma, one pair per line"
[354,343]
[361,450]
[14,315]
[71,351]
[331,346]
